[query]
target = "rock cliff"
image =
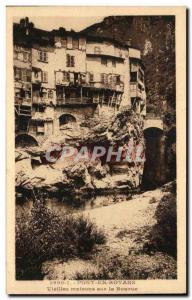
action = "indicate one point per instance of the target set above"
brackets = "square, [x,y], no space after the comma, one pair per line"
[68,175]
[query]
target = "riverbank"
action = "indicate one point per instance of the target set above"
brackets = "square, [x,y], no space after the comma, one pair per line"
[127,225]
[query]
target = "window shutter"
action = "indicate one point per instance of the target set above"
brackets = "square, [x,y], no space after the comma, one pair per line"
[28,75]
[44,76]
[68,60]
[72,61]
[43,56]
[39,55]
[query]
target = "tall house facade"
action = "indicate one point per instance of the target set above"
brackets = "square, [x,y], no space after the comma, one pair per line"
[137,82]
[63,77]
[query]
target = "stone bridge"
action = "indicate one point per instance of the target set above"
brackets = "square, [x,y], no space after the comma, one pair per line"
[153,121]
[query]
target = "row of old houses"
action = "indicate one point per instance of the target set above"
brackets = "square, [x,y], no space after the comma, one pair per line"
[64,77]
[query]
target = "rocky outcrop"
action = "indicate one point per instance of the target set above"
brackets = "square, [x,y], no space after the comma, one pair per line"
[32,171]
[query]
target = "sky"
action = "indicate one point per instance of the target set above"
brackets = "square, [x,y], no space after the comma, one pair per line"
[75,23]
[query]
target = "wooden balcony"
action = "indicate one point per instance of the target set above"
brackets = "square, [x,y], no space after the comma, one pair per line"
[77,100]
[135,91]
[105,86]
[23,101]
[23,110]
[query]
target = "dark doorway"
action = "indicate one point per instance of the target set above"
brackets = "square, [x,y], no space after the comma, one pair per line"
[65,119]
[25,140]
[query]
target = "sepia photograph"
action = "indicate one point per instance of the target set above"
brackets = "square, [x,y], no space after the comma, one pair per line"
[96,172]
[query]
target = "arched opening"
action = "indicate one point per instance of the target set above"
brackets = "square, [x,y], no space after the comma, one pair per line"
[65,119]
[25,140]
[155,165]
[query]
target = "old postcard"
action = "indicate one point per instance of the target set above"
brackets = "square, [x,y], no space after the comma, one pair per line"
[96,143]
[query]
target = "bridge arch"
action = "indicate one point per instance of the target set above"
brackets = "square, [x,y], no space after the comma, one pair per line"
[25,140]
[153,123]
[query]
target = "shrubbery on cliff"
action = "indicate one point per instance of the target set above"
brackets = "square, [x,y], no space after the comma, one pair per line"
[163,236]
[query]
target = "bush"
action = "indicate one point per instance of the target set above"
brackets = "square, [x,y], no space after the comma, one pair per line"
[45,235]
[132,267]
[163,236]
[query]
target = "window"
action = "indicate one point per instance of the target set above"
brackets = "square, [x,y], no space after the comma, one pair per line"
[104,61]
[113,63]
[60,92]
[23,74]
[91,77]
[70,62]
[43,56]
[133,76]
[75,43]
[66,76]
[118,79]
[97,50]
[22,56]
[44,76]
